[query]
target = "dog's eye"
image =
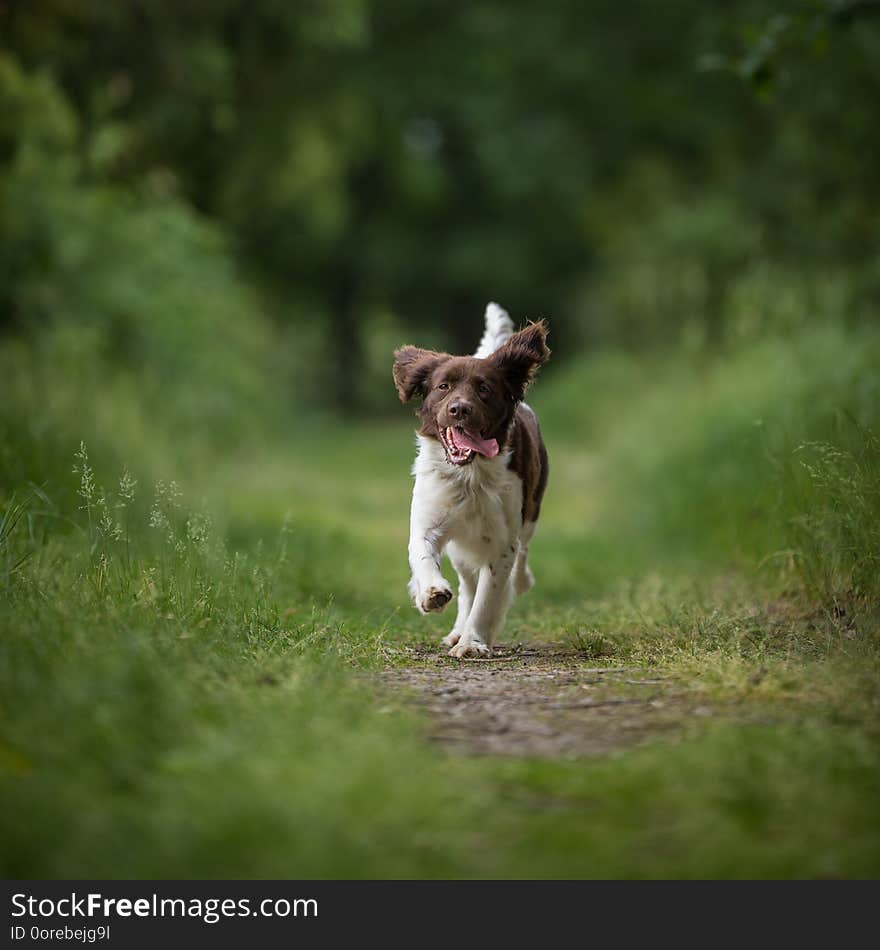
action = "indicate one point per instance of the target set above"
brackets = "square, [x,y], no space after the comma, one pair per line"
[443,386]
[485,389]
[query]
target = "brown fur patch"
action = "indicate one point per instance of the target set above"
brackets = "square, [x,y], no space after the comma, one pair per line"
[529,460]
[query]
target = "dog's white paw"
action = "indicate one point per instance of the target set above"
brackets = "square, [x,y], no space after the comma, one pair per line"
[434,599]
[469,647]
[451,639]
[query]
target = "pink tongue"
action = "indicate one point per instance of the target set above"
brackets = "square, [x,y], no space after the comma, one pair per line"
[467,440]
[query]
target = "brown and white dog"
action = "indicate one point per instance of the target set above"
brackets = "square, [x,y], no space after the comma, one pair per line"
[480,475]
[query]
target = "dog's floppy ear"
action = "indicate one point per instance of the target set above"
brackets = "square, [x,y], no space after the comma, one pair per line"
[521,356]
[412,368]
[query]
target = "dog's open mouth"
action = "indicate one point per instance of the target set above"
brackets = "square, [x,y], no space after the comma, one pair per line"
[462,445]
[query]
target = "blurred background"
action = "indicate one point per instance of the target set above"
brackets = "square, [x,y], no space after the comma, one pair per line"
[217,221]
[241,208]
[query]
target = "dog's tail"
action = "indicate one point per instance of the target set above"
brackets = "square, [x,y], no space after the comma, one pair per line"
[499,328]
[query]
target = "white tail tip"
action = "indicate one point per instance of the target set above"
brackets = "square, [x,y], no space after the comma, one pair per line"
[499,328]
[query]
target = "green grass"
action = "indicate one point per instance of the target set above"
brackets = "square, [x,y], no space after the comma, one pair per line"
[184,680]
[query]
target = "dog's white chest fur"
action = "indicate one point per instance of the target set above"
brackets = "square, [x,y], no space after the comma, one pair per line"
[476,508]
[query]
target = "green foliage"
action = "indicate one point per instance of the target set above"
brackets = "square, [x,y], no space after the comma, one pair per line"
[836,527]
[217,221]
[367,161]
[720,806]
[211,715]
[698,449]
[112,292]
[670,279]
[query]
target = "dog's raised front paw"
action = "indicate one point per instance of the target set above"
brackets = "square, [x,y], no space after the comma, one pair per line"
[469,647]
[451,639]
[435,599]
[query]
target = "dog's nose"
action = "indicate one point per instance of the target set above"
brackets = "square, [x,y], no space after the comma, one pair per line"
[459,409]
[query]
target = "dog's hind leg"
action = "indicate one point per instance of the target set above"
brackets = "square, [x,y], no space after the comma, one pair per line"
[523,579]
[467,589]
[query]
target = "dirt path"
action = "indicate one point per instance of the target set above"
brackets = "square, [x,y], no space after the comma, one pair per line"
[538,701]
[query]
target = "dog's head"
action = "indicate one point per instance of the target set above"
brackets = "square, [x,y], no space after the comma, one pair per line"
[468,403]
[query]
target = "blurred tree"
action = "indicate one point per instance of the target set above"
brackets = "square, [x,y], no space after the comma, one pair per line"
[417,159]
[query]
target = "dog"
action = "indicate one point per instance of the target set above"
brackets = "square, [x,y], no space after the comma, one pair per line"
[480,476]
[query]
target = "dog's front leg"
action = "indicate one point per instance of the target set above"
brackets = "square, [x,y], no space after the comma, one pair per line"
[467,590]
[427,587]
[488,611]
